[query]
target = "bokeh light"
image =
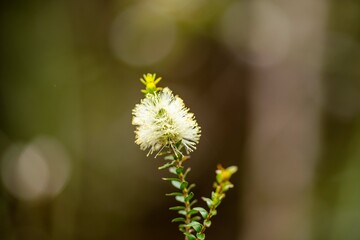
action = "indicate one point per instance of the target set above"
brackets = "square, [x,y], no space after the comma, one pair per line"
[262,38]
[37,170]
[142,35]
[177,8]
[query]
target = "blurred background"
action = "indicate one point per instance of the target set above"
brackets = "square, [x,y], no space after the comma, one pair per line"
[275,86]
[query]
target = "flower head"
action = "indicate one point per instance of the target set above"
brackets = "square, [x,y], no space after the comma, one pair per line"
[162,120]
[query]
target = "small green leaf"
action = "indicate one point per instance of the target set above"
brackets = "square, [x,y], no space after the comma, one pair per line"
[222,196]
[169,157]
[191,186]
[182,227]
[190,236]
[196,218]
[232,169]
[166,165]
[214,195]
[192,212]
[176,184]
[172,170]
[217,202]
[171,179]
[173,194]
[193,202]
[200,236]
[187,172]
[179,219]
[184,185]
[208,201]
[202,212]
[177,208]
[182,212]
[213,212]
[227,186]
[180,199]
[219,177]
[179,170]
[195,225]
[189,197]
[207,223]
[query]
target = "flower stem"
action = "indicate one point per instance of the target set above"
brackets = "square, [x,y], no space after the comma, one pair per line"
[181,174]
[218,195]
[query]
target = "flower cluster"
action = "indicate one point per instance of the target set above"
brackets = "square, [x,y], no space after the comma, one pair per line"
[162,120]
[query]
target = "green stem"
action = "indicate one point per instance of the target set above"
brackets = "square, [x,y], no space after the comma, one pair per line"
[185,192]
[218,193]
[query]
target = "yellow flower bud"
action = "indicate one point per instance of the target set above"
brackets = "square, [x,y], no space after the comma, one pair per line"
[150,81]
[223,175]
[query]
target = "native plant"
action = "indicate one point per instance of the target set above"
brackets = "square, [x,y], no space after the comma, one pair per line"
[165,127]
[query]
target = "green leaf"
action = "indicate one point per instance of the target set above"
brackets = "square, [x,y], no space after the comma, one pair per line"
[179,170]
[227,186]
[192,212]
[169,157]
[173,194]
[213,212]
[180,199]
[176,184]
[167,165]
[182,212]
[219,177]
[179,219]
[191,186]
[193,202]
[172,170]
[184,185]
[232,169]
[207,223]
[217,202]
[196,218]
[189,197]
[182,227]
[208,201]
[200,236]
[177,208]
[202,212]
[171,179]
[190,236]
[222,196]
[187,172]
[195,225]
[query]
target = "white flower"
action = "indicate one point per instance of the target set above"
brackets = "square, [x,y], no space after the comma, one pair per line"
[162,120]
